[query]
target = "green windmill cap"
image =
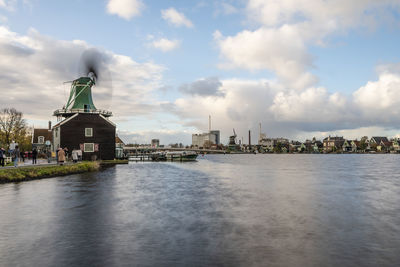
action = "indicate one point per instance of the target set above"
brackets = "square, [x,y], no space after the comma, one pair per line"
[83,93]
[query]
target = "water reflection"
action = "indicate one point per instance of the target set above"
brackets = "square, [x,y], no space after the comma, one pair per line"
[232,210]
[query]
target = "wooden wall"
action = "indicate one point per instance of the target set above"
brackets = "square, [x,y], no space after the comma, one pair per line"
[73,134]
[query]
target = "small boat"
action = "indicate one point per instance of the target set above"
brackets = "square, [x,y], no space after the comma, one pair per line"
[181,156]
[140,157]
[158,156]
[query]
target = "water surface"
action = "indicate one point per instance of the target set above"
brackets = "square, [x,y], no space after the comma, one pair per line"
[224,210]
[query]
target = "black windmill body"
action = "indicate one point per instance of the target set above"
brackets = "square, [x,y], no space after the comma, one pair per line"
[81,125]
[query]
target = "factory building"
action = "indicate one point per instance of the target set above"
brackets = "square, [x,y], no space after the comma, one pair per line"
[205,140]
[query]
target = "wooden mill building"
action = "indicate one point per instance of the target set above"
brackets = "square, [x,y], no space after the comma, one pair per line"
[82,126]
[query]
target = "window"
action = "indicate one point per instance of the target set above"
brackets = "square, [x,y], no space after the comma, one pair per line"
[88,147]
[41,139]
[88,132]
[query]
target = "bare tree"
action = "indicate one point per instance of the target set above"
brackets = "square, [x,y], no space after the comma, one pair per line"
[12,126]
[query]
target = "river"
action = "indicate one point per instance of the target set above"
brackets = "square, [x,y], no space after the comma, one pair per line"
[222,210]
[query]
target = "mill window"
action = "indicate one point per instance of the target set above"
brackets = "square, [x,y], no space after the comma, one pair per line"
[88,132]
[88,147]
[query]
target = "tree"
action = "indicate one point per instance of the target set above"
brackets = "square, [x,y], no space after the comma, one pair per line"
[363,145]
[12,127]
[278,148]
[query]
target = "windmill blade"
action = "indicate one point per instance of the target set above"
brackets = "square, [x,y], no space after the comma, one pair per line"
[94,64]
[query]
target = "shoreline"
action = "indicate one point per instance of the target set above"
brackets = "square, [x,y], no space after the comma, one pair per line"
[29,173]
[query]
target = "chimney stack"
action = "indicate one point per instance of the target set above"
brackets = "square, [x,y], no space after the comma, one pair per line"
[209,123]
[249,139]
[49,125]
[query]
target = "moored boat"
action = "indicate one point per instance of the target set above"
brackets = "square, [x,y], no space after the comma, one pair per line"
[181,156]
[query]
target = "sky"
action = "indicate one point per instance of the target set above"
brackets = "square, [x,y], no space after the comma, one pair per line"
[301,68]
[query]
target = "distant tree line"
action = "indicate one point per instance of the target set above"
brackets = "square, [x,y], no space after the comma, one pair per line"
[13,127]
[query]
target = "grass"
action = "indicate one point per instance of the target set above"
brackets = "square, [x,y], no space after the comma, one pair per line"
[113,162]
[37,172]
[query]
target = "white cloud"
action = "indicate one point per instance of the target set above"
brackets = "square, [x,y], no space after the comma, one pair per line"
[285,29]
[166,45]
[3,19]
[8,5]
[379,100]
[125,8]
[371,109]
[281,50]
[204,87]
[38,93]
[176,18]
[328,14]
[313,105]
[228,9]
[225,9]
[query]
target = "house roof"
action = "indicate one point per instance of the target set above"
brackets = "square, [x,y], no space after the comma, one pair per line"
[66,120]
[334,138]
[119,140]
[379,139]
[46,133]
[386,144]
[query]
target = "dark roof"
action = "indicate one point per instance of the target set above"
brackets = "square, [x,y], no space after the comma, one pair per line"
[46,133]
[387,144]
[379,139]
[334,138]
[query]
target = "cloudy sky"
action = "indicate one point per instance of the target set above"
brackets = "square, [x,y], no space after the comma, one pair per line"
[302,68]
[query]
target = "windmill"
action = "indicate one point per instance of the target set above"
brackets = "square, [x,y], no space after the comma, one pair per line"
[232,138]
[83,127]
[80,100]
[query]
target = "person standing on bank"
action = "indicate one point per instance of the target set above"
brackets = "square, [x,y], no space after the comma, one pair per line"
[22,156]
[74,156]
[61,156]
[34,156]
[2,156]
[48,154]
[16,156]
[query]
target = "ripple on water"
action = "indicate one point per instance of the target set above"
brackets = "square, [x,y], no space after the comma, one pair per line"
[231,210]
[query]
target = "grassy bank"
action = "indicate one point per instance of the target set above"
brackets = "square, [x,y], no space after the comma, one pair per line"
[105,163]
[38,172]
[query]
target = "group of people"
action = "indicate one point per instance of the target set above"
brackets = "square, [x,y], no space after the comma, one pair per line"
[17,155]
[62,155]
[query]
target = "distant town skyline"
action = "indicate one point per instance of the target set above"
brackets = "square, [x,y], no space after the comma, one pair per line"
[300,68]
